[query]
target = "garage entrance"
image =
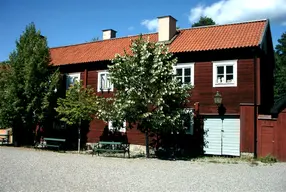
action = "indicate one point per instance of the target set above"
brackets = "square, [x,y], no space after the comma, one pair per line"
[222,136]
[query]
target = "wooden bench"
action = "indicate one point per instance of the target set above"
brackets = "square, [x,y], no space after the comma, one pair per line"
[110,146]
[54,142]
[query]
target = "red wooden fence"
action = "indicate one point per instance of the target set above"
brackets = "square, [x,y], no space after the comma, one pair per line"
[271,136]
[271,133]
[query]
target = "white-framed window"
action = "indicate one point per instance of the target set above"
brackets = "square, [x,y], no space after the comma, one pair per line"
[71,78]
[120,129]
[225,73]
[104,83]
[188,121]
[185,72]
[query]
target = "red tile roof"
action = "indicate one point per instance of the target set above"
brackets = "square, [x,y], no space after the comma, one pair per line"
[239,35]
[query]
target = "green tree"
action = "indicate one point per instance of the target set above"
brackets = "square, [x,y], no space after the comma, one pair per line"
[204,21]
[5,73]
[147,93]
[93,39]
[280,67]
[31,84]
[80,104]
[4,63]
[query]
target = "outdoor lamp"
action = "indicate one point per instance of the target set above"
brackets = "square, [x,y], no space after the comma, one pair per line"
[218,98]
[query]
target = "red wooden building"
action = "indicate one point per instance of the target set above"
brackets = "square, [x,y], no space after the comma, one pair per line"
[235,59]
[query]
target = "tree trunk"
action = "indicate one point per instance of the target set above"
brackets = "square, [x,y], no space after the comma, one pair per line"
[16,135]
[15,138]
[147,143]
[79,137]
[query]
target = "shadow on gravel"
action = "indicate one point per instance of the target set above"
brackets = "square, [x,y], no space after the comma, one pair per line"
[179,145]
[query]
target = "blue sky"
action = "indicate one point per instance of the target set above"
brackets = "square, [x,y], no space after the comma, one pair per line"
[66,22]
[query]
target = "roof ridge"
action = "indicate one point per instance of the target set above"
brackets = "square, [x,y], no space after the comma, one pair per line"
[93,42]
[226,24]
[242,35]
[200,27]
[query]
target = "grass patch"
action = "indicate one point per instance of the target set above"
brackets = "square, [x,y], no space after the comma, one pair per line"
[213,161]
[139,155]
[268,159]
[228,160]
[253,162]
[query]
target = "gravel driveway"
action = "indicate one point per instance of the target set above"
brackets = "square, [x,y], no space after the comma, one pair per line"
[29,170]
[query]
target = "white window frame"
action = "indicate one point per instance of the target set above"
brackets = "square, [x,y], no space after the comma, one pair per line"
[190,130]
[122,129]
[224,64]
[183,66]
[72,75]
[99,81]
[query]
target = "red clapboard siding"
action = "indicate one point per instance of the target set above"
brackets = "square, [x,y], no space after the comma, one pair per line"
[247,128]
[204,91]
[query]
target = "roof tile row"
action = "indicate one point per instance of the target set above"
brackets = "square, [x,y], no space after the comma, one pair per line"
[215,37]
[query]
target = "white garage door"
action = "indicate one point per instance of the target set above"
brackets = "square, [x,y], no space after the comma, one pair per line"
[222,136]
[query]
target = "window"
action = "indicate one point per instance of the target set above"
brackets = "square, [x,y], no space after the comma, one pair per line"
[225,73]
[120,129]
[185,72]
[104,83]
[188,121]
[58,125]
[71,79]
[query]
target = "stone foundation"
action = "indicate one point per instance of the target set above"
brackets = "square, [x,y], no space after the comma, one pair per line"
[247,155]
[135,150]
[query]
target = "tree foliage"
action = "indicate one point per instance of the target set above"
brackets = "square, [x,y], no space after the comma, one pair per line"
[147,93]
[4,63]
[280,67]
[80,104]
[29,84]
[5,73]
[94,39]
[204,21]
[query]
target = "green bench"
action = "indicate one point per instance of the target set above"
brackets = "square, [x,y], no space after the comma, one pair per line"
[111,146]
[54,143]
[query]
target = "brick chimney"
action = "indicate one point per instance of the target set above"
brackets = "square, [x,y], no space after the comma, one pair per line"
[166,28]
[108,34]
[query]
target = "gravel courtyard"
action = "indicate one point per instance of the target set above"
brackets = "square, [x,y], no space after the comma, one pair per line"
[29,170]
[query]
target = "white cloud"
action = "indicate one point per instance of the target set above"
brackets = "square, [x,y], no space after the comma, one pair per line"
[226,11]
[152,25]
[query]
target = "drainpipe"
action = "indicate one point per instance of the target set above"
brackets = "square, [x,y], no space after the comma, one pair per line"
[255,103]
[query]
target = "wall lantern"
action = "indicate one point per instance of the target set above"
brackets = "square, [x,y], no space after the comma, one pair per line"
[218,98]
